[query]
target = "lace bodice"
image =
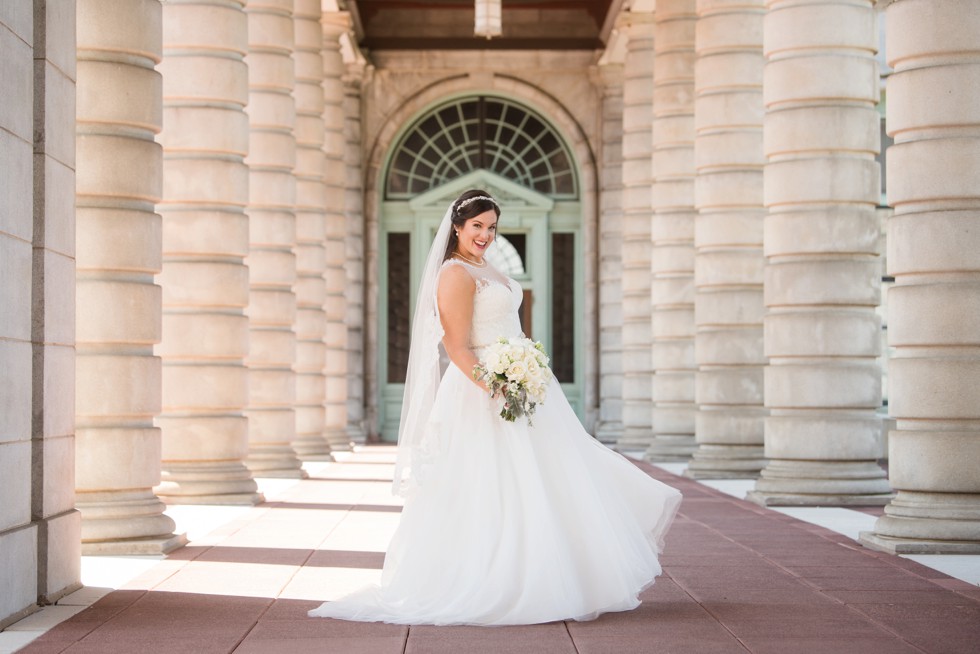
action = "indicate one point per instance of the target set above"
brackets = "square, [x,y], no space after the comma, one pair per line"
[495,305]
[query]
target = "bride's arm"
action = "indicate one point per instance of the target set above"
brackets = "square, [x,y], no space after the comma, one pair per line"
[455,298]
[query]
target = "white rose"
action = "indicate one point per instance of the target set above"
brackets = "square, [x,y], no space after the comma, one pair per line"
[492,361]
[517,372]
[533,370]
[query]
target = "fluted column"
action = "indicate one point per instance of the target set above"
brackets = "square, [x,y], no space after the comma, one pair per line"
[335,180]
[272,237]
[354,215]
[637,118]
[728,269]
[119,173]
[672,233]
[610,426]
[310,287]
[934,255]
[205,240]
[822,275]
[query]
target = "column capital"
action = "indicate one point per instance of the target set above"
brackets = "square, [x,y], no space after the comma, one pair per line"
[336,23]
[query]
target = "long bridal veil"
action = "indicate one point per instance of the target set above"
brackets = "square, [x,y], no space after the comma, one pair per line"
[424,373]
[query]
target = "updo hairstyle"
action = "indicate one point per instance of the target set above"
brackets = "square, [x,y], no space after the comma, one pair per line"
[471,209]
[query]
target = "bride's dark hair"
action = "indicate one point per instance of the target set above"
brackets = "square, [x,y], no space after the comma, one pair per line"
[461,214]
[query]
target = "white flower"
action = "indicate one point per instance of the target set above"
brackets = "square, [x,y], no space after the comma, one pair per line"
[492,362]
[517,372]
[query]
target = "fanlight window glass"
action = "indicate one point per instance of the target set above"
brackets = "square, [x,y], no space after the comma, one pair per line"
[481,133]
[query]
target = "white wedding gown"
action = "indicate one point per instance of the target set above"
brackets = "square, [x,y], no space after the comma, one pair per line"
[510,523]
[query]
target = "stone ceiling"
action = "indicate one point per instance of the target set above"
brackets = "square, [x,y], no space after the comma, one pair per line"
[448,24]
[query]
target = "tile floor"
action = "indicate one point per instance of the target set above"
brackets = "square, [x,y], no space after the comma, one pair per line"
[737,578]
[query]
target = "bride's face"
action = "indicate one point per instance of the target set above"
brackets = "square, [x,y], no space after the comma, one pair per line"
[476,235]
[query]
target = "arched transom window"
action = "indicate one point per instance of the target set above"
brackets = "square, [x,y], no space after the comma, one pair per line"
[485,133]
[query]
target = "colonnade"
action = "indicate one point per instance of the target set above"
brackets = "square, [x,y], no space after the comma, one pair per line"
[215,247]
[232,361]
[767,109]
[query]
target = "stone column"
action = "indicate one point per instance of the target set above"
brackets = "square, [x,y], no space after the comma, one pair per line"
[822,275]
[610,425]
[354,216]
[335,182]
[728,268]
[934,255]
[118,181]
[637,118]
[272,236]
[310,287]
[205,240]
[672,233]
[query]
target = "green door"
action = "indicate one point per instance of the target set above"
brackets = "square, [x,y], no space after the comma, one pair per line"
[527,168]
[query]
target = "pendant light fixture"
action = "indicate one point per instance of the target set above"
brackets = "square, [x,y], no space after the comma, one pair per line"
[488,18]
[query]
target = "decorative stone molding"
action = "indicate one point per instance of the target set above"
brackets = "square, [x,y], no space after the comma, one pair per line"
[672,233]
[822,274]
[934,255]
[205,240]
[728,269]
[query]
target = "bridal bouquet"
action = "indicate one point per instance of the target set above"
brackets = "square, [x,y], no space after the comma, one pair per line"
[517,370]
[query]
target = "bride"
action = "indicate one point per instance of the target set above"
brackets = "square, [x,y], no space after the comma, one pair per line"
[504,523]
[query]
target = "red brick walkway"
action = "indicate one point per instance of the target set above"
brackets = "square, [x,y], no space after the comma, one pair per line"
[737,578]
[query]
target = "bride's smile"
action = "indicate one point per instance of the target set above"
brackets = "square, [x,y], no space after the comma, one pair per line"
[476,235]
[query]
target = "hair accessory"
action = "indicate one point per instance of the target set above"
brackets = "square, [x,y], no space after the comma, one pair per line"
[474,199]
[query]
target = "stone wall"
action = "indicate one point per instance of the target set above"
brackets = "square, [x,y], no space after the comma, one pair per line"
[39,526]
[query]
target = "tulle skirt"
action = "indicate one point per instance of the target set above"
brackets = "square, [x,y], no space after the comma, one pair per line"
[516,524]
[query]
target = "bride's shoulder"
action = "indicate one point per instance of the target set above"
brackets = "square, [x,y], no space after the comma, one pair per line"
[454,274]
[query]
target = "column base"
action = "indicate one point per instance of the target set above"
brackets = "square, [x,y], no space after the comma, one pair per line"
[312,448]
[671,447]
[918,522]
[338,440]
[634,439]
[821,483]
[124,517]
[808,499]
[356,434]
[874,541]
[135,546]
[713,461]
[279,462]
[208,483]
[609,433]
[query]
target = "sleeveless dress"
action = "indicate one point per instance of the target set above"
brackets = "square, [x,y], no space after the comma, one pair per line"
[511,523]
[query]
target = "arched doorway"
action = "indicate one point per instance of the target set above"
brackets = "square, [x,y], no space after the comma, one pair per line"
[511,151]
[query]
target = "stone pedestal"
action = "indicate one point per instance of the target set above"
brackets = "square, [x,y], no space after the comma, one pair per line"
[205,241]
[934,255]
[118,181]
[272,237]
[310,289]
[822,275]
[610,425]
[637,171]
[728,274]
[672,233]
[354,216]
[335,274]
